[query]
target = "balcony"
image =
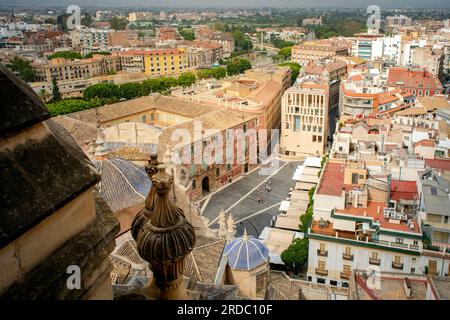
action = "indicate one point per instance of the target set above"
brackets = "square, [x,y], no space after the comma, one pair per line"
[321,272]
[345,275]
[375,262]
[398,266]
[348,257]
[322,253]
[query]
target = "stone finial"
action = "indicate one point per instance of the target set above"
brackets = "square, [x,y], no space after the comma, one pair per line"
[245,235]
[164,241]
[222,224]
[100,151]
[144,215]
[231,228]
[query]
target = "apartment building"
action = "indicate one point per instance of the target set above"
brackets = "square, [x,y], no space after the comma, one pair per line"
[364,222]
[367,46]
[417,80]
[258,91]
[226,41]
[429,59]
[311,52]
[397,21]
[89,39]
[155,62]
[63,69]
[304,118]
[361,97]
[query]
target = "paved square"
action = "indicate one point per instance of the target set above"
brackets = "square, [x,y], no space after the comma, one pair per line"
[241,199]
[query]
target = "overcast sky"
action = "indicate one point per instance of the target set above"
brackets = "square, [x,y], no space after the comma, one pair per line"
[240,3]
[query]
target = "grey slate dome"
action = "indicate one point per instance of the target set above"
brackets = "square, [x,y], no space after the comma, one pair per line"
[246,253]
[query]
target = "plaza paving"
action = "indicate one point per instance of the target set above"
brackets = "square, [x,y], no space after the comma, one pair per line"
[241,199]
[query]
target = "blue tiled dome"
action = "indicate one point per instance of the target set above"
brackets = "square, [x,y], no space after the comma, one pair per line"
[246,253]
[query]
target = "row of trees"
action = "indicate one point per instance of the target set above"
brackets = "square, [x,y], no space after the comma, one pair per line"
[236,66]
[107,93]
[283,54]
[69,55]
[72,55]
[217,73]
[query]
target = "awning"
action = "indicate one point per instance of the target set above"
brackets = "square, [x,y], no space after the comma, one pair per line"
[297,174]
[284,206]
[287,222]
[312,162]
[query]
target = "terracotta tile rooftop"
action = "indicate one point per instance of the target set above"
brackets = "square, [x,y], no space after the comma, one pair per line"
[403,190]
[442,164]
[425,143]
[413,78]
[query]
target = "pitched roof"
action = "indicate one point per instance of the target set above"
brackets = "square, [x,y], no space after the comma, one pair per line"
[156,101]
[433,103]
[413,78]
[442,164]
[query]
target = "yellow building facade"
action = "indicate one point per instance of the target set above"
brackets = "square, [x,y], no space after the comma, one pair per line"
[156,62]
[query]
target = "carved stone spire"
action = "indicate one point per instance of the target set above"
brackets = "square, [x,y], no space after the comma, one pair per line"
[231,227]
[100,151]
[144,215]
[164,241]
[222,224]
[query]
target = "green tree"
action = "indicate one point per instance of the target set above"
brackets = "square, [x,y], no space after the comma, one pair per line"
[295,69]
[70,55]
[107,91]
[286,52]
[86,20]
[237,66]
[168,82]
[204,74]
[71,105]
[280,43]
[296,254]
[242,42]
[187,34]
[186,79]
[153,85]
[56,93]
[130,90]
[23,68]
[219,72]
[117,23]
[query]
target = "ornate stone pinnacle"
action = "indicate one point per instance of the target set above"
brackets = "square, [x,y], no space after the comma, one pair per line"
[165,240]
[144,215]
[245,236]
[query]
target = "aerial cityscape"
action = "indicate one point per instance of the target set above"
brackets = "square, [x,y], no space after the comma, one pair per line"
[225,150]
